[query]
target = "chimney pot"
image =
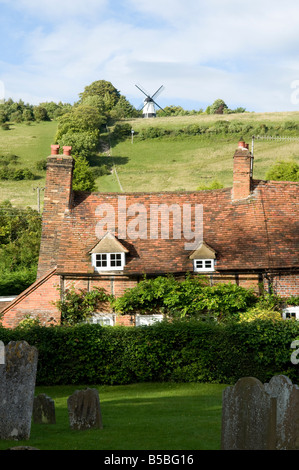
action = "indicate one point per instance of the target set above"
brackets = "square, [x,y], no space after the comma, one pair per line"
[54,149]
[67,150]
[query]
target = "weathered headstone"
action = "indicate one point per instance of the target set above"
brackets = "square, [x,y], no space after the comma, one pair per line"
[43,410]
[287,420]
[17,384]
[2,353]
[248,417]
[84,409]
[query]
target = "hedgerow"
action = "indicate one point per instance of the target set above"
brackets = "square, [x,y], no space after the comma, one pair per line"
[179,351]
[221,127]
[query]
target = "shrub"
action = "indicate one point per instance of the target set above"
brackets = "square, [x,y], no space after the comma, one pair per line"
[121,132]
[15,282]
[188,298]
[78,306]
[184,351]
[41,164]
[16,175]
[101,170]
[214,185]
[283,171]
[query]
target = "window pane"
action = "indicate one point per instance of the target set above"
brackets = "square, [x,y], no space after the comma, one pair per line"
[101,260]
[199,264]
[208,264]
[115,259]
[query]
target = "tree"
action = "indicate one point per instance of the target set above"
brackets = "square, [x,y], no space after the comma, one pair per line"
[283,171]
[123,109]
[20,231]
[83,177]
[83,144]
[56,109]
[40,113]
[104,90]
[81,118]
[218,107]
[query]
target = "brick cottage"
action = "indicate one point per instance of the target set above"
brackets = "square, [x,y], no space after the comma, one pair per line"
[247,234]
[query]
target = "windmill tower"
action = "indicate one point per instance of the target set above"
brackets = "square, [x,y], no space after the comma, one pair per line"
[149,103]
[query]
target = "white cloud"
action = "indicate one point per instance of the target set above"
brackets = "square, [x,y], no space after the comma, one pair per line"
[58,11]
[243,52]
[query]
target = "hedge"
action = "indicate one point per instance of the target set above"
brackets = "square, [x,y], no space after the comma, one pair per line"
[180,351]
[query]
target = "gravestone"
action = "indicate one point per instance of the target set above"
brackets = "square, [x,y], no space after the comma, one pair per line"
[2,353]
[17,384]
[84,409]
[43,410]
[287,416]
[248,416]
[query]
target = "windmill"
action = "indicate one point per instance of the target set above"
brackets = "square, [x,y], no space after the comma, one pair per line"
[149,103]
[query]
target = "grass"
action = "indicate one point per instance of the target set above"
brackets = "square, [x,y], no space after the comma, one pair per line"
[186,163]
[31,144]
[149,416]
[179,121]
[163,164]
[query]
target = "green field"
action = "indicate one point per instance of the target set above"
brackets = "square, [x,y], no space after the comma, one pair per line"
[151,416]
[157,164]
[31,144]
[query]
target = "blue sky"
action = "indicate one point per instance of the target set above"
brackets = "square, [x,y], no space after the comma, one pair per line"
[244,52]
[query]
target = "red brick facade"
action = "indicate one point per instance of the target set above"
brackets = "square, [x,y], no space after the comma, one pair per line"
[252,227]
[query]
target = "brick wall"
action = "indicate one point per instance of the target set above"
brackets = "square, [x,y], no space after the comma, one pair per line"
[286,285]
[57,201]
[242,174]
[36,302]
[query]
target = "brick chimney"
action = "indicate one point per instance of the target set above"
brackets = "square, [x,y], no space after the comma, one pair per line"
[243,168]
[57,202]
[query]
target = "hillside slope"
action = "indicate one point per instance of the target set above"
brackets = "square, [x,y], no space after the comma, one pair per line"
[174,161]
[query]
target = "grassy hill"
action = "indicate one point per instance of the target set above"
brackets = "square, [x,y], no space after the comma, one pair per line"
[185,162]
[174,161]
[30,143]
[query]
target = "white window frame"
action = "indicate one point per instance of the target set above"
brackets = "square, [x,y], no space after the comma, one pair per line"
[146,320]
[109,261]
[204,265]
[104,319]
[291,312]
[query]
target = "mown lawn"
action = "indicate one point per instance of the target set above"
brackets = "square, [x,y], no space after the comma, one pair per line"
[147,416]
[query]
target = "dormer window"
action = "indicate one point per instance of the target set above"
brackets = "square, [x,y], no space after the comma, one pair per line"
[108,254]
[203,258]
[108,261]
[204,265]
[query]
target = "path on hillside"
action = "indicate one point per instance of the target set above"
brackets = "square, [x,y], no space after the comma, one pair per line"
[105,147]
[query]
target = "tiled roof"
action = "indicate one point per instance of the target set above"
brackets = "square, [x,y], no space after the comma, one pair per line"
[259,232]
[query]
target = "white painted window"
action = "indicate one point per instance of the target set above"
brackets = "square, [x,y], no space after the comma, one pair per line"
[108,261]
[290,312]
[148,319]
[107,319]
[204,265]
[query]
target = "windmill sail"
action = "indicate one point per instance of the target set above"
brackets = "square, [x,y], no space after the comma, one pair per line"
[149,103]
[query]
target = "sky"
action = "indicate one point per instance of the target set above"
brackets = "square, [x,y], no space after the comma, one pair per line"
[244,52]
